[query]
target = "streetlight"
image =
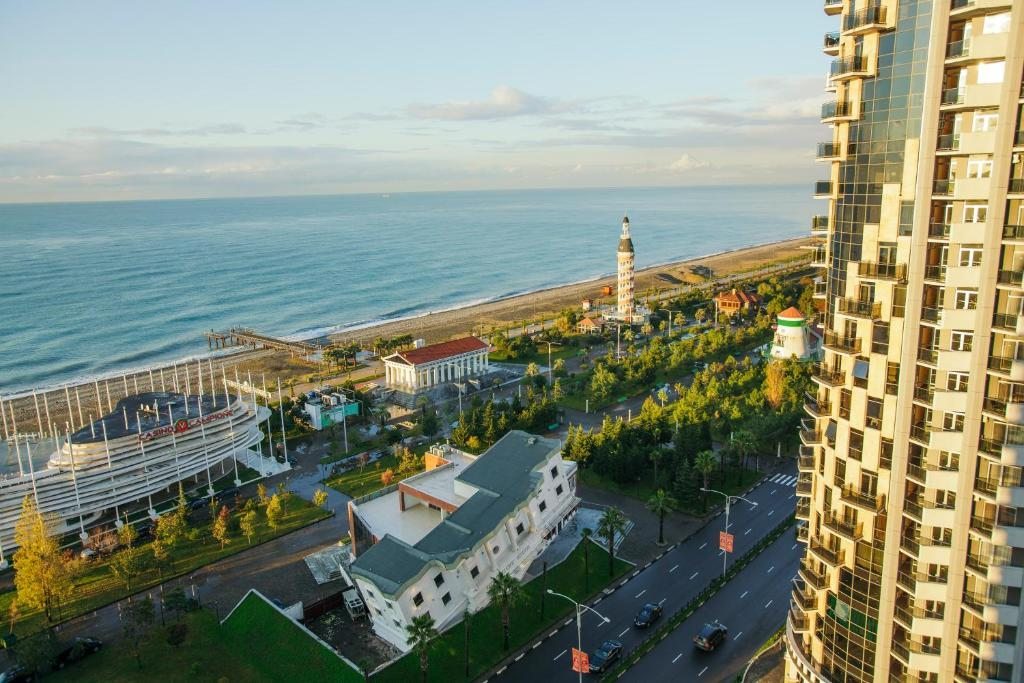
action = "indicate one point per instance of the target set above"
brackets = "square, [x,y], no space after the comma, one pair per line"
[728,502]
[673,310]
[550,380]
[579,611]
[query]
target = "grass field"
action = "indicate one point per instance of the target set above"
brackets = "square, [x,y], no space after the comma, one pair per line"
[96,586]
[447,656]
[646,488]
[355,483]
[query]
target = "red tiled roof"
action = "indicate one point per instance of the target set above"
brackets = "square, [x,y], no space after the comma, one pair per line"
[791,312]
[455,347]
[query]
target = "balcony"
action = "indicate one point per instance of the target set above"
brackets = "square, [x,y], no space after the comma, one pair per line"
[1016,186]
[1005,321]
[865,501]
[1013,232]
[832,558]
[848,67]
[804,487]
[882,271]
[836,111]
[830,45]
[852,531]
[817,407]
[953,96]
[819,224]
[831,377]
[833,7]
[808,600]
[958,49]
[842,344]
[935,272]
[805,463]
[864,20]
[803,510]
[1010,277]
[921,433]
[943,187]
[812,577]
[931,314]
[1018,141]
[823,189]
[828,151]
[812,437]
[1008,365]
[949,142]
[928,355]
[871,310]
[939,231]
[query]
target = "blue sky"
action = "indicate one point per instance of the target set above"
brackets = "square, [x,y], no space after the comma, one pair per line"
[127,100]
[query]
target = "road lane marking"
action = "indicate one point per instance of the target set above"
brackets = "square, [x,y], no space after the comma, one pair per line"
[694,576]
[624,632]
[677,657]
[567,622]
[702,672]
[641,593]
[703,545]
[768,604]
[520,657]
[790,497]
[737,635]
[662,601]
[770,512]
[748,531]
[559,655]
[744,594]
[552,634]
[794,546]
[673,569]
[603,622]
[770,569]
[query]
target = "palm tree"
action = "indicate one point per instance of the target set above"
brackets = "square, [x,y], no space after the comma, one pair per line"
[700,315]
[421,633]
[745,444]
[505,591]
[704,462]
[612,523]
[586,533]
[661,504]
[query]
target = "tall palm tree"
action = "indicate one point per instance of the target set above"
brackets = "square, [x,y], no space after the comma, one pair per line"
[704,462]
[586,533]
[744,444]
[421,633]
[661,504]
[505,591]
[611,524]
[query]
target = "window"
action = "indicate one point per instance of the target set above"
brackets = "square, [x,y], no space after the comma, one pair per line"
[438,580]
[984,121]
[949,461]
[856,444]
[979,168]
[991,72]
[975,212]
[966,299]
[397,623]
[996,23]
[519,528]
[446,598]
[970,255]
[543,506]
[874,414]
[388,605]
[953,422]
[369,593]
[417,599]
[956,381]
[474,572]
[945,499]
[377,610]
[961,340]
[496,549]
[942,536]
[558,491]
[554,471]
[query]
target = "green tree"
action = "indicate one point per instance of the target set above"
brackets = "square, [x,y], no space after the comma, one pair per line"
[319,497]
[429,424]
[611,525]
[700,315]
[532,370]
[36,652]
[744,443]
[704,463]
[275,512]
[221,529]
[420,634]
[41,576]
[170,531]
[261,493]
[587,532]
[131,560]
[661,504]
[505,591]
[136,618]
[176,635]
[602,383]
[249,524]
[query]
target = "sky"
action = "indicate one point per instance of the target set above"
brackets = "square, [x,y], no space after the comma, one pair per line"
[143,100]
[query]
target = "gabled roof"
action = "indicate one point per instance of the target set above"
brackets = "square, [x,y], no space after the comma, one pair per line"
[792,313]
[504,476]
[434,352]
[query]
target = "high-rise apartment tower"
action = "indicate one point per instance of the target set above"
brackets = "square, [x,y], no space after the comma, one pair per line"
[912,464]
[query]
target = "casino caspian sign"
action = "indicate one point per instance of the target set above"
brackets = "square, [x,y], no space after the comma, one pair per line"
[184,425]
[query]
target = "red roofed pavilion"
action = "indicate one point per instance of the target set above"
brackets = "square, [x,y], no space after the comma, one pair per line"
[428,366]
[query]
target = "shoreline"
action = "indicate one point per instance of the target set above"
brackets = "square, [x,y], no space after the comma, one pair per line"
[475,316]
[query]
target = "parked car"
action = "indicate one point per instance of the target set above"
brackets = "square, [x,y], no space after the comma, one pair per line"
[649,614]
[17,674]
[293,461]
[711,636]
[145,532]
[605,655]
[226,494]
[76,650]
[197,504]
[88,554]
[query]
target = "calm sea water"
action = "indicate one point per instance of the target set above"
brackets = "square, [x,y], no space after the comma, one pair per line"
[91,288]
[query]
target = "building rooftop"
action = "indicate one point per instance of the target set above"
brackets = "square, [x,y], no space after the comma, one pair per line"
[504,477]
[435,352]
[439,483]
[149,410]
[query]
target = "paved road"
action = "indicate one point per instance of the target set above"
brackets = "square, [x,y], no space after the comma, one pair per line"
[673,581]
[752,607]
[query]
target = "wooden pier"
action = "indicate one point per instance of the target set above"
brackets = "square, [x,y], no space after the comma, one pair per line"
[243,336]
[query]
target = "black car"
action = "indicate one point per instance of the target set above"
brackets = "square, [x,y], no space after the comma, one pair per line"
[145,532]
[77,649]
[17,674]
[649,614]
[197,504]
[226,494]
[605,655]
[711,636]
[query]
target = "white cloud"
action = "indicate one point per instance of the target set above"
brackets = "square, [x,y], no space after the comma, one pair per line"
[504,102]
[686,162]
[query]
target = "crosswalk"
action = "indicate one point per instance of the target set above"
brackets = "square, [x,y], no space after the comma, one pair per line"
[783,480]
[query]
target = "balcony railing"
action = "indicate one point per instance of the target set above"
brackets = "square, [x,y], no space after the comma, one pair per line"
[831,41]
[882,271]
[828,150]
[931,314]
[1016,185]
[803,510]
[1013,232]
[935,272]
[817,406]
[921,433]
[812,577]
[862,309]
[829,376]
[949,142]
[953,95]
[943,186]
[830,4]
[1006,321]
[958,49]
[829,556]
[866,501]
[928,355]
[1010,277]
[850,530]
[836,110]
[869,16]
[1001,363]
[939,230]
[1019,139]
[848,65]
[819,223]
[823,187]
[841,343]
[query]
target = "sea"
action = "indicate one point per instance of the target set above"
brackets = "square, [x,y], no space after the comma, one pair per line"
[94,288]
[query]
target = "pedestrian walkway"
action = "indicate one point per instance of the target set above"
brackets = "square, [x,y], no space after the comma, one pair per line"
[784,480]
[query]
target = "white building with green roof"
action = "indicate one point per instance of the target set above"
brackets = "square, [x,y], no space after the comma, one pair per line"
[431,543]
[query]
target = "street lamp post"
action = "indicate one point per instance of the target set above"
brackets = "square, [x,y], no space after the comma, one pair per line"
[550,380]
[579,611]
[673,310]
[728,503]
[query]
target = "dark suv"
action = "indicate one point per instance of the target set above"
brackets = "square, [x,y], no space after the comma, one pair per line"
[77,649]
[711,636]
[605,655]
[649,614]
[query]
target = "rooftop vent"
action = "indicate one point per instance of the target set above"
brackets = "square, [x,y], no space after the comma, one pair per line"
[530,441]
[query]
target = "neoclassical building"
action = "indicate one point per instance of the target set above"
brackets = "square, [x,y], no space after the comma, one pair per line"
[428,366]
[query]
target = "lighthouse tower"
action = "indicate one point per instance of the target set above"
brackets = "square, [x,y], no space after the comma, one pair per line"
[793,339]
[626,307]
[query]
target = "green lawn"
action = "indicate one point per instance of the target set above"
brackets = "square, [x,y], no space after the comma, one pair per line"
[355,483]
[96,586]
[447,655]
[540,356]
[206,655]
[646,487]
[279,649]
